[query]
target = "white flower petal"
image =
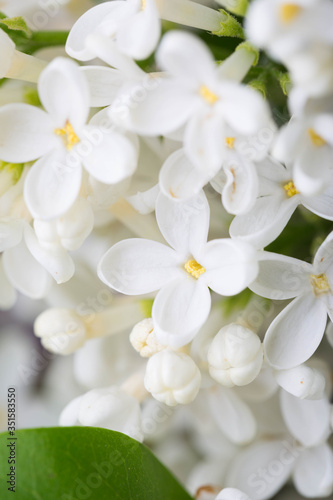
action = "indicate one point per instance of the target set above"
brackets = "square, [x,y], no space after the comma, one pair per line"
[241,189]
[137,266]
[281,277]
[203,141]
[312,170]
[52,186]
[185,224]
[271,458]
[153,108]
[186,56]
[25,273]
[58,262]
[113,158]
[231,265]
[232,415]
[88,23]
[322,204]
[265,222]
[179,179]
[26,133]
[7,291]
[308,421]
[132,36]
[296,332]
[11,231]
[104,84]
[179,310]
[324,256]
[313,475]
[64,93]
[231,494]
[6,53]
[302,382]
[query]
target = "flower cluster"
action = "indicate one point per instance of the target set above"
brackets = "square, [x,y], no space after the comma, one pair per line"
[155,171]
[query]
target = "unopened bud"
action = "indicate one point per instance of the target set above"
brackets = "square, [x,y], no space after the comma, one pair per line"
[172,377]
[61,331]
[235,356]
[302,382]
[143,339]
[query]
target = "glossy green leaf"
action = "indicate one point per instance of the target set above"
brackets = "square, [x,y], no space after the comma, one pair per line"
[77,463]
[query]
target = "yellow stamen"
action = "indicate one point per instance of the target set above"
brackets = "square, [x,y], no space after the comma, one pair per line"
[143,4]
[68,136]
[290,189]
[230,142]
[316,139]
[289,11]
[319,284]
[194,269]
[208,95]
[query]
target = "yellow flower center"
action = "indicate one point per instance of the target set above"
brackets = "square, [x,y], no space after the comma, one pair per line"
[316,139]
[194,269]
[319,284]
[290,189]
[230,141]
[143,4]
[68,136]
[208,95]
[289,11]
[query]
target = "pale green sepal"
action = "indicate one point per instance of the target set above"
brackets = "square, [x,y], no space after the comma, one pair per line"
[17,24]
[229,27]
[258,85]
[250,48]
[238,7]
[285,83]
[146,307]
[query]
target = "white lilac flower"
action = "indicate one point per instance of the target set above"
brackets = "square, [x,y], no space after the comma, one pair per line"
[278,198]
[61,140]
[201,99]
[297,331]
[285,28]
[302,382]
[134,26]
[183,272]
[172,377]
[306,143]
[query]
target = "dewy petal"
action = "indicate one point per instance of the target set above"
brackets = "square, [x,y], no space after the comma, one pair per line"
[52,186]
[112,158]
[136,266]
[176,55]
[58,262]
[313,474]
[231,265]
[179,179]
[296,332]
[132,36]
[153,107]
[307,420]
[184,225]
[64,93]
[88,23]
[267,219]
[281,277]
[25,273]
[7,291]
[246,469]
[241,189]
[26,133]
[203,141]
[179,310]
[104,84]
[232,415]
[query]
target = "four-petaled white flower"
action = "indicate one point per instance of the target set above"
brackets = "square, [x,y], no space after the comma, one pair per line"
[183,273]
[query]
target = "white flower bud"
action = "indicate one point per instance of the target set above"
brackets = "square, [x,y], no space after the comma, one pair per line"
[172,377]
[143,339]
[61,331]
[111,408]
[235,356]
[302,382]
[74,227]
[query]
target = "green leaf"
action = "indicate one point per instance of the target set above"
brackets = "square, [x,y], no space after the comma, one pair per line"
[72,463]
[17,24]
